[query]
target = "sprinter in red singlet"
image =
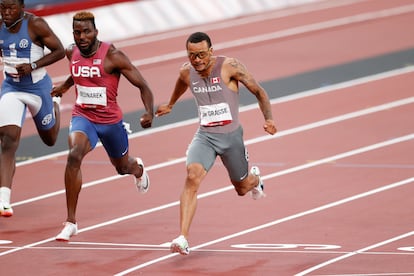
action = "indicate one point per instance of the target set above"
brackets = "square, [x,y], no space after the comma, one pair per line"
[214,82]
[95,69]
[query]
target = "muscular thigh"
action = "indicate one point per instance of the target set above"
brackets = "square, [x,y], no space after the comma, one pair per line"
[114,138]
[13,110]
[201,151]
[234,155]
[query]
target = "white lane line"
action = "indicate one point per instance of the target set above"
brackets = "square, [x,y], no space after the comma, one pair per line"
[296,96]
[230,187]
[292,217]
[235,22]
[282,34]
[287,132]
[350,254]
[217,191]
[259,139]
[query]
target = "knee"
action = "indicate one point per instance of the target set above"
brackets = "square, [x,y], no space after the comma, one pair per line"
[240,188]
[241,191]
[74,158]
[9,143]
[195,173]
[49,142]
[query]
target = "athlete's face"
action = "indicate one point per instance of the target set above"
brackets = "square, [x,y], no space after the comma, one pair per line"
[85,36]
[199,55]
[11,11]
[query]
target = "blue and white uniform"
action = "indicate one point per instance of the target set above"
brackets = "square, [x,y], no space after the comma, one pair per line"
[32,90]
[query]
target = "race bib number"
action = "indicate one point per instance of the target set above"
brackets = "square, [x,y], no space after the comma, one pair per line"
[215,115]
[91,97]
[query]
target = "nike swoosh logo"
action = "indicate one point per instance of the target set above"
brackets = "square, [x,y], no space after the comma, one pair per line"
[194,82]
[75,61]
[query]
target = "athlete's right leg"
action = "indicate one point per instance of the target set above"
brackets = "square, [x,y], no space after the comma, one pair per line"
[79,146]
[11,120]
[188,198]
[82,139]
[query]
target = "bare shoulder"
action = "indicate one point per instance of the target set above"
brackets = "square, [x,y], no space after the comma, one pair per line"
[69,50]
[234,64]
[185,69]
[235,69]
[116,55]
[185,72]
[37,23]
[185,66]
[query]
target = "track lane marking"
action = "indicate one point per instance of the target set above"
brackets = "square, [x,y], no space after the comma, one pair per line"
[313,92]
[295,216]
[230,187]
[350,254]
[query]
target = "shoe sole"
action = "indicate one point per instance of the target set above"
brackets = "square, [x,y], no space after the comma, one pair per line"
[61,240]
[175,248]
[6,214]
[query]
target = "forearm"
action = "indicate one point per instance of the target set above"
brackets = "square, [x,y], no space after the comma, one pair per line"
[148,100]
[50,58]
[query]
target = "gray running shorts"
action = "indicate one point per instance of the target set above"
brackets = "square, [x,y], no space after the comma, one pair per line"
[205,147]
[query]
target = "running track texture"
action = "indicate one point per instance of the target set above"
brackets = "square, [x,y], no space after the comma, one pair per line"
[338,175]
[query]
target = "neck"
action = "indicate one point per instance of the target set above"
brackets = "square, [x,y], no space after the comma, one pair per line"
[93,51]
[209,67]
[15,22]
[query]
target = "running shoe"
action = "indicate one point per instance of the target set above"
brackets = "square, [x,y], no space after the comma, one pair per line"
[257,192]
[5,211]
[143,182]
[68,231]
[180,245]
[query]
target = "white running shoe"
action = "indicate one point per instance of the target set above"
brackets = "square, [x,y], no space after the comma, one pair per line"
[257,192]
[69,230]
[5,211]
[143,182]
[180,245]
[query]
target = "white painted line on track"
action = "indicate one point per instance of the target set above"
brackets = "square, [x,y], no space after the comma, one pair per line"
[283,133]
[350,254]
[295,216]
[291,131]
[296,96]
[294,169]
[282,34]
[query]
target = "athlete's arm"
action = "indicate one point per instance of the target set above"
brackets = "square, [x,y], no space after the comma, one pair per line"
[117,62]
[239,72]
[181,85]
[43,36]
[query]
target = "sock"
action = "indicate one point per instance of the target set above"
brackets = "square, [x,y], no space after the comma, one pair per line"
[57,99]
[5,195]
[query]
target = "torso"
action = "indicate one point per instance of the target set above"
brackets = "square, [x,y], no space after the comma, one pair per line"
[96,90]
[18,48]
[217,104]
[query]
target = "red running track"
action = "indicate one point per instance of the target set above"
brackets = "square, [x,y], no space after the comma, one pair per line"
[339,174]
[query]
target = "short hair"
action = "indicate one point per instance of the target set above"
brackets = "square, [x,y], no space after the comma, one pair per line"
[84,16]
[198,37]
